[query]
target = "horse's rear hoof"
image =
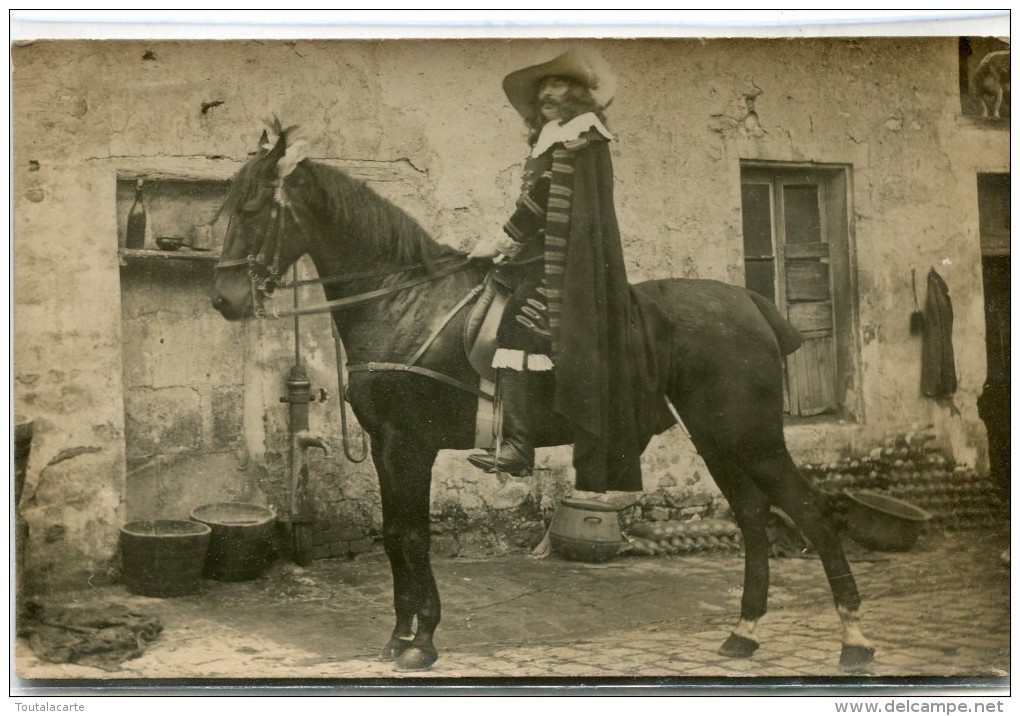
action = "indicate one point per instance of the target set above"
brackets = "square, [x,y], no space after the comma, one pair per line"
[416,658]
[394,648]
[854,657]
[738,647]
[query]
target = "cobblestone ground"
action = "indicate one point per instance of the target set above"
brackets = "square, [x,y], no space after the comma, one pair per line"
[940,610]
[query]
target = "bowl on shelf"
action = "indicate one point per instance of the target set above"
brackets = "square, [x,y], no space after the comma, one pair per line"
[169,243]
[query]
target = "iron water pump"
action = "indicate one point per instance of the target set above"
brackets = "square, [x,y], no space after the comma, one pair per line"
[301,511]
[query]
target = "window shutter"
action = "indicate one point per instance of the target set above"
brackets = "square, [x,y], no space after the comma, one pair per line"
[811,371]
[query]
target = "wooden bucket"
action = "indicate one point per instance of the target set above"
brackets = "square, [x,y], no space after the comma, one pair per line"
[163,558]
[240,547]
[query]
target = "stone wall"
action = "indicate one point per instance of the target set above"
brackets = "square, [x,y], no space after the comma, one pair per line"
[427,125]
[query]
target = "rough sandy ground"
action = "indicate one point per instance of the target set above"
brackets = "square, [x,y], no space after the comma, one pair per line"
[940,610]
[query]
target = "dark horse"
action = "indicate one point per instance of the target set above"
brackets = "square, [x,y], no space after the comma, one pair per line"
[391,288]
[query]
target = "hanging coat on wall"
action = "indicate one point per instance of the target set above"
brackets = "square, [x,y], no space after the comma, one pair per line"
[938,368]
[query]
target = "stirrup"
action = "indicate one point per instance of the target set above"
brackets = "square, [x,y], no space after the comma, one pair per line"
[516,468]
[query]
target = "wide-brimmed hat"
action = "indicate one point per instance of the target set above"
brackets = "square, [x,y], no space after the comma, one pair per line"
[586,67]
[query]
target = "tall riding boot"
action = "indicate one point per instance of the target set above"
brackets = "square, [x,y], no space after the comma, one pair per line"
[516,452]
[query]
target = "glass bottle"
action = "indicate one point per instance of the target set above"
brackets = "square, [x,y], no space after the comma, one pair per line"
[135,238]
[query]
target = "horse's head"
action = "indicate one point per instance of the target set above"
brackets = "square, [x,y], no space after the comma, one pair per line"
[265,230]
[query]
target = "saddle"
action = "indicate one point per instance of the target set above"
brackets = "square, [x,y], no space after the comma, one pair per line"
[649,338]
[480,331]
[482,324]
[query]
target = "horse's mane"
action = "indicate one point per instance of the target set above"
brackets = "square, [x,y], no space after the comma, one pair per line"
[385,232]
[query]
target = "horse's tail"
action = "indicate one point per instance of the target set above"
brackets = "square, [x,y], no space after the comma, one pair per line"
[789,338]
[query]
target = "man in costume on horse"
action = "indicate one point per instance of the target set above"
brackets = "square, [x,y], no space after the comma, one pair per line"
[571,308]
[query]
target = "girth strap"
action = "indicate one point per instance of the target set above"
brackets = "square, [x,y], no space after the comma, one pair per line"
[374,367]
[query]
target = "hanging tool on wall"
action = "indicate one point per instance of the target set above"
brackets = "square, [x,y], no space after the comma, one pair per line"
[301,510]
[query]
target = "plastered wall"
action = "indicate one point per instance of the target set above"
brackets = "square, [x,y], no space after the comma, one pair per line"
[428,125]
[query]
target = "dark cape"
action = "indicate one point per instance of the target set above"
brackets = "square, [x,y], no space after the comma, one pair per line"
[595,385]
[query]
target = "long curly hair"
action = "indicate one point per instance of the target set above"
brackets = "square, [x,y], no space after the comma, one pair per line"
[578,100]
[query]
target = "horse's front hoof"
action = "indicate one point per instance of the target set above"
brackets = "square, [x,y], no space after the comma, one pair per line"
[738,647]
[854,657]
[394,648]
[416,658]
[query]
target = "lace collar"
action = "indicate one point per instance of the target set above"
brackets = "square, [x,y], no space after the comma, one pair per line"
[554,132]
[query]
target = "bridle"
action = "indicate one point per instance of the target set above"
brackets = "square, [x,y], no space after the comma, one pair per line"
[265,277]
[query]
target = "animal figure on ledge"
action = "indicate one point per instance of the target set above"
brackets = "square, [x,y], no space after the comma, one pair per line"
[991,83]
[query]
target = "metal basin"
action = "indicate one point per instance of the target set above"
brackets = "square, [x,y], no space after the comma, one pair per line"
[884,523]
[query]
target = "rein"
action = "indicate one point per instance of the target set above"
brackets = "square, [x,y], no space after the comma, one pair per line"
[356,300]
[354,276]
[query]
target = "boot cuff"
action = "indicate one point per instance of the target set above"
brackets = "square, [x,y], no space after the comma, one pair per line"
[520,360]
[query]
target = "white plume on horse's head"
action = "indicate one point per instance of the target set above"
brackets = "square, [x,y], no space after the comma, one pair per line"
[296,148]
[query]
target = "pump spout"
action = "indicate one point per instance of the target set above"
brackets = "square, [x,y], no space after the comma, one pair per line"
[305,440]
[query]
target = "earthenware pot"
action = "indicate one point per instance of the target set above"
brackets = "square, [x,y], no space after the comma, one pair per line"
[586,530]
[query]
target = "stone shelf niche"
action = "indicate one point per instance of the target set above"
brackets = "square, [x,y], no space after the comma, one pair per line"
[182,254]
[183,363]
[173,207]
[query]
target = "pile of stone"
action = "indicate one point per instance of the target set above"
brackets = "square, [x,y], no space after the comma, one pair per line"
[909,466]
[680,537]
